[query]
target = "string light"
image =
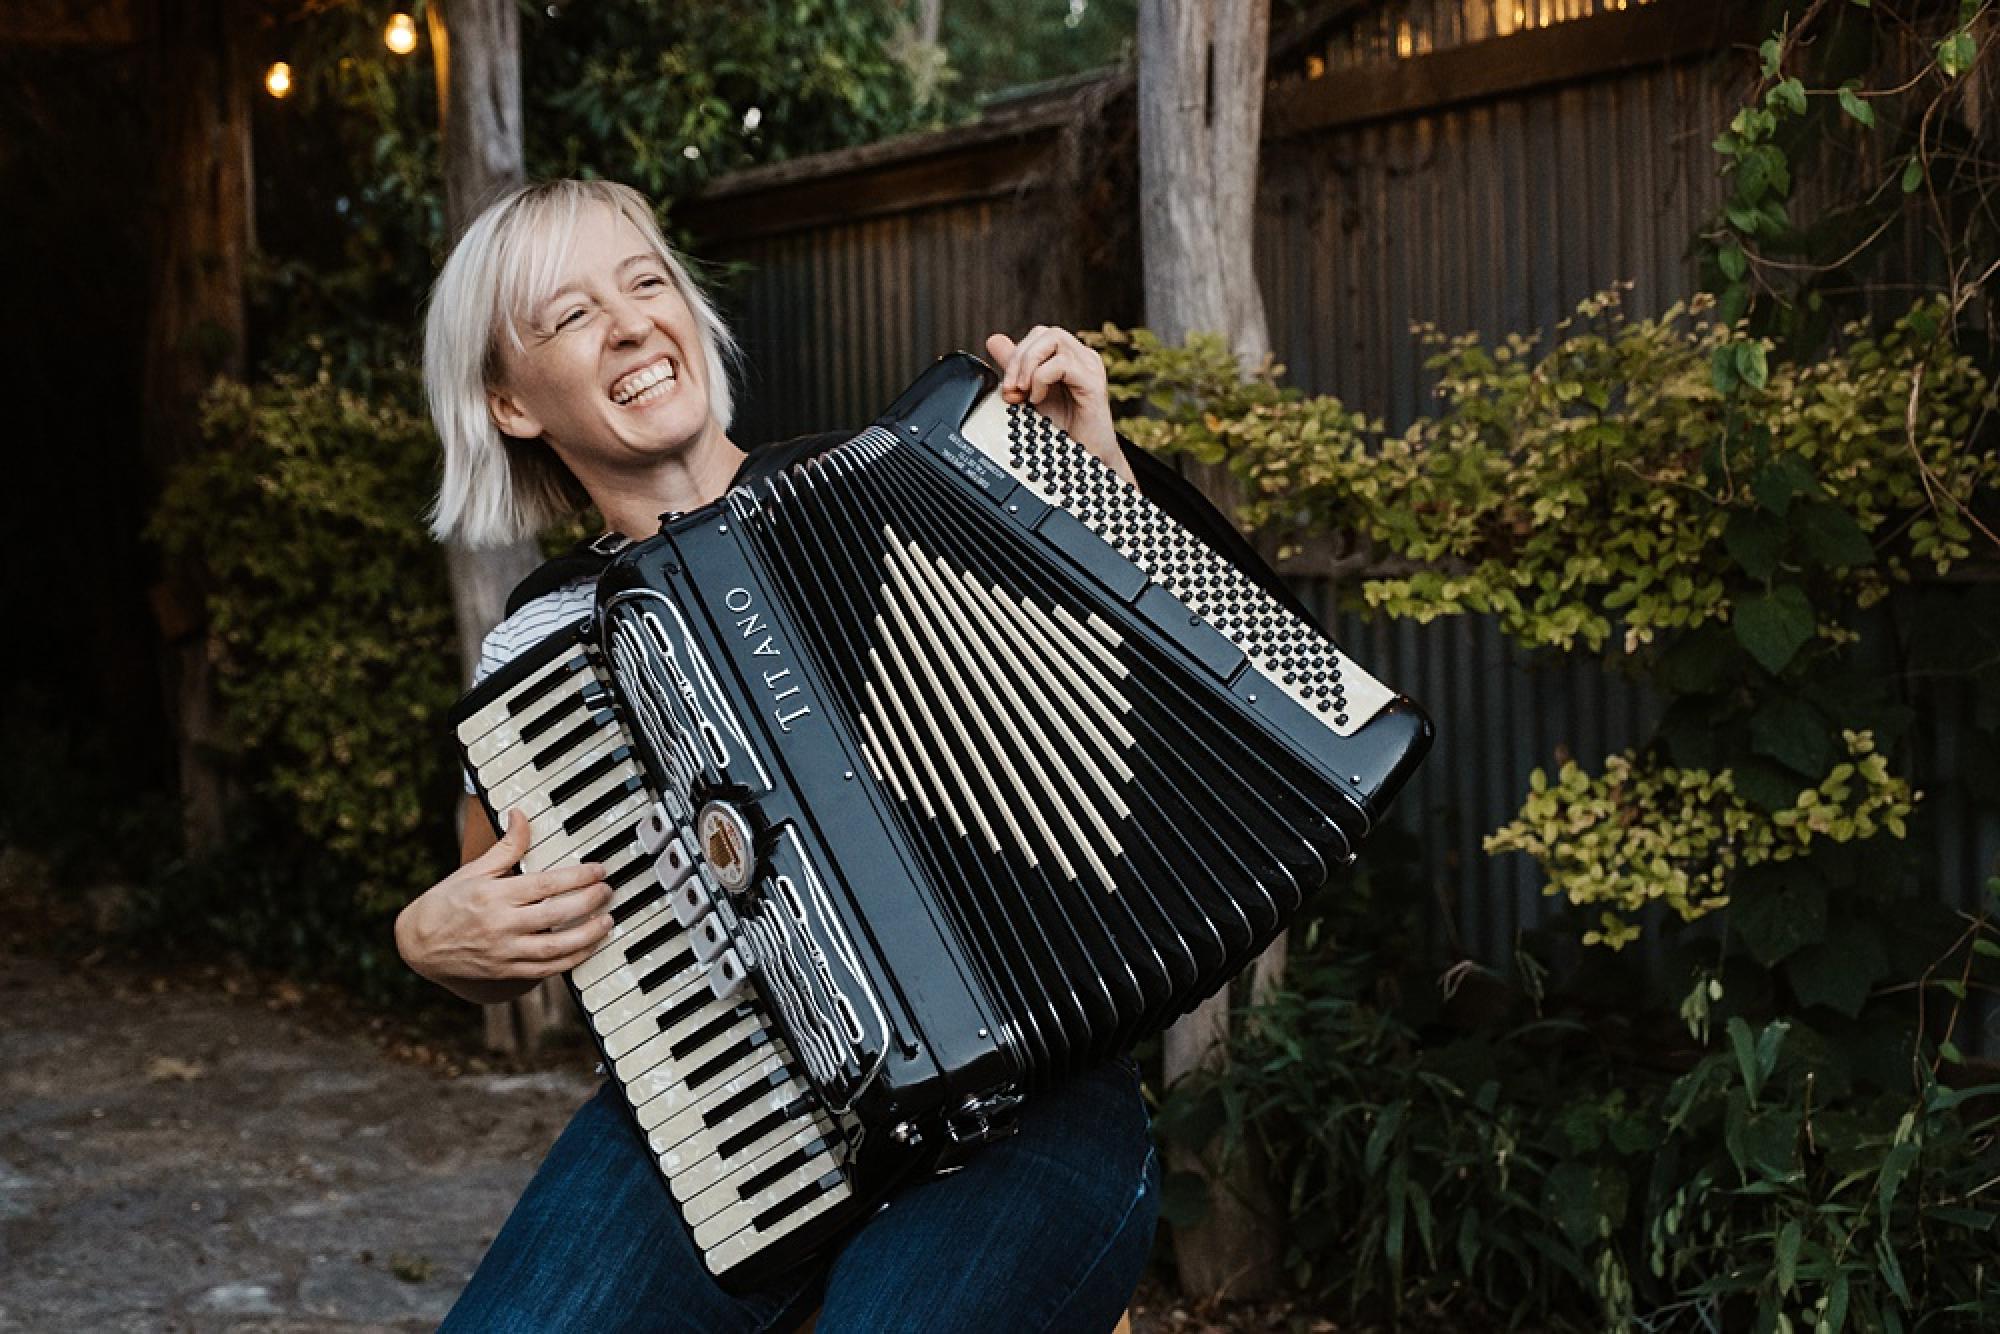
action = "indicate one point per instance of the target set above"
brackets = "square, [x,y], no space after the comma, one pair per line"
[278,80]
[401,34]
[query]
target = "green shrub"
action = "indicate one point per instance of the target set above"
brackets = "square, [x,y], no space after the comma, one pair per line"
[1729,527]
[1541,1172]
[330,622]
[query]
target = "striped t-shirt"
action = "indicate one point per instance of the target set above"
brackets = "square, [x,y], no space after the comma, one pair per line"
[534,622]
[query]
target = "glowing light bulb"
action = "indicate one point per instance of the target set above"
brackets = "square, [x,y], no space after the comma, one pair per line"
[401,34]
[278,79]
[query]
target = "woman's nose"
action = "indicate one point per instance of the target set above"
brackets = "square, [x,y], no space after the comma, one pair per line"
[628,322]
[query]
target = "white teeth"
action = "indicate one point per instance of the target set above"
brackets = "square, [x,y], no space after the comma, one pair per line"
[639,382]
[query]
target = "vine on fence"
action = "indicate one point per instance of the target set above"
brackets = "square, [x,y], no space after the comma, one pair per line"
[1726,533]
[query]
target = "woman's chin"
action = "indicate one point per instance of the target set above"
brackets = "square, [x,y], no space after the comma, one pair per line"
[672,423]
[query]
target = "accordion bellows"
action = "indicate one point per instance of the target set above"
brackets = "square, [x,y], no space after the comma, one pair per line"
[936,769]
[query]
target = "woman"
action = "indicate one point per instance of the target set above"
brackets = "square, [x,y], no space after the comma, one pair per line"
[570,360]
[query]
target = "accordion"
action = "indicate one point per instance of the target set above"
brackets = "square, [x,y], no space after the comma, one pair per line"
[929,771]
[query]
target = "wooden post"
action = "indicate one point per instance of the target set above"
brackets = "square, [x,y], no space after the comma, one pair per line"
[1201,98]
[476,49]
[201,238]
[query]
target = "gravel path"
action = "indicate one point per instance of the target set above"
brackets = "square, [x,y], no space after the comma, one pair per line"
[192,1161]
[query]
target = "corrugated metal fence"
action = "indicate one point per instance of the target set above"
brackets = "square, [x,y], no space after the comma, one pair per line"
[1474,164]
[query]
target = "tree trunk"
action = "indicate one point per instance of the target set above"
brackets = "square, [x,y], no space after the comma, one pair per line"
[476,48]
[1201,99]
[194,332]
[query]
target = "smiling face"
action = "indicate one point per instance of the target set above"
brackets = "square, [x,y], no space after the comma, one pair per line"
[610,371]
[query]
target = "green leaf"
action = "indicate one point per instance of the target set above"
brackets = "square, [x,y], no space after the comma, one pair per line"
[1769,1140]
[1754,541]
[1956,54]
[1397,1200]
[1769,54]
[1857,107]
[1752,365]
[1379,1138]
[1569,1196]
[1722,370]
[1753,175]
[1777,916]
[1972,1220]
[1780,481]
[1913,175]
[1789,1237]
[1836,1291]
[1744,1044]
[1768,1044]
[1735,300]
[1950,1052]
[1840,971]
[1942,1099]
[1733,263]
[1789,94]
[1767,786]
[1774,626]
[1830,536]
[1795,733]
[1885,1256]
[1699,662]
[1468,1240]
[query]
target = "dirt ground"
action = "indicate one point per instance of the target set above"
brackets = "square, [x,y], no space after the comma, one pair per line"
[197,1153]
[174,1158]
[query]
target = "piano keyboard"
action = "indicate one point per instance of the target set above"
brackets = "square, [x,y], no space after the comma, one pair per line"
[746,1150]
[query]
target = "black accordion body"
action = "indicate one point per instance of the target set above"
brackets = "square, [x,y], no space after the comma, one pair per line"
[929,772]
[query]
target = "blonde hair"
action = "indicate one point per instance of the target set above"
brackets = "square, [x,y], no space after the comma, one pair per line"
[499,489]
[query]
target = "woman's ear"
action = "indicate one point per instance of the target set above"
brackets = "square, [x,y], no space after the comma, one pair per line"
[510,417]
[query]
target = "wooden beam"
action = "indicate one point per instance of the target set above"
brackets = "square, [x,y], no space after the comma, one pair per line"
[68,23]
[1656,34]
[199,225]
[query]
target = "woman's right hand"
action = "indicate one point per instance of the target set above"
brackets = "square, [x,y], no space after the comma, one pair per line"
[489,936]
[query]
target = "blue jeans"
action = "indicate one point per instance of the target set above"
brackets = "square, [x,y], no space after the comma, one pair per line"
[1046,1230]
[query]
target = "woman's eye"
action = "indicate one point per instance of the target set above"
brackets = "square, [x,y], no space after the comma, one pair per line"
[570,318]
[652,282]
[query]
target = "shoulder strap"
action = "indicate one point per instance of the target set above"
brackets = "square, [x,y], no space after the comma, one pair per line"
[585,560]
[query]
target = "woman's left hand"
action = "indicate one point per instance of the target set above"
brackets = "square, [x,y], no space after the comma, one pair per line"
[1052,369]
